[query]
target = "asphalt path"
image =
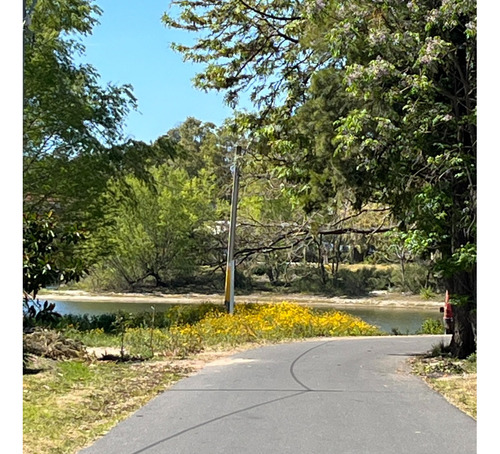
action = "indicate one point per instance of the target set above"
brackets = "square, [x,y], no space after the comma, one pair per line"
[330,396]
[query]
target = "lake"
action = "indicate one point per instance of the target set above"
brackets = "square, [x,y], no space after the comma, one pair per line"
[405,320]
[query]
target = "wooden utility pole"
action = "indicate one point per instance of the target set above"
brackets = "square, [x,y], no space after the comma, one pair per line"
[229,288]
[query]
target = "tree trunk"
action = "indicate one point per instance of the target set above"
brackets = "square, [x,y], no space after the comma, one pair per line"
[321,260]
[463,341]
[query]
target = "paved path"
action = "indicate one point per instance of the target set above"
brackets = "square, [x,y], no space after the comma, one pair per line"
[332,396]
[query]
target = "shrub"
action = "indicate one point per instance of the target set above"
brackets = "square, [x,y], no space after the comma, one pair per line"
[427,293]
[362,280]
[272,322]
[416,277]
[190,314]
[432,326]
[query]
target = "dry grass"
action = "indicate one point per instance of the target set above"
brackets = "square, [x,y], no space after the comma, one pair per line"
[70,404]
[459,390]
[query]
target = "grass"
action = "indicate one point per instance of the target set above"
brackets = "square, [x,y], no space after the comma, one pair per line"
[73,402]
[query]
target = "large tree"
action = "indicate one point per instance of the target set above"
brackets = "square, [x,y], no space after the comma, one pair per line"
[67,112]
[373,99]
[73,138]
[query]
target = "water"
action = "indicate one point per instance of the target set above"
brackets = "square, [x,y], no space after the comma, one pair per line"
[404,320]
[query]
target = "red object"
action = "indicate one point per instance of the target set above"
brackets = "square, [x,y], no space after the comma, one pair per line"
[448,311]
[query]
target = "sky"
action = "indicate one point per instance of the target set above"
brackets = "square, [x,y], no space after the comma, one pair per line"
[132,46]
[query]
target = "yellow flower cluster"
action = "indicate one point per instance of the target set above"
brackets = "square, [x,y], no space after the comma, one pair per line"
[249,323]
[270,322]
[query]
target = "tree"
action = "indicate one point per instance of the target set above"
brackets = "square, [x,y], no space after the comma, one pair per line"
[69,120]
[156,231]
[371,100]
[205,147]
[247,47]
[66,111]
[49,253]
[73,141]
[407,134]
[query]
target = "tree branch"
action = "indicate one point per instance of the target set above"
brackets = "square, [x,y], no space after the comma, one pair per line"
[270,16]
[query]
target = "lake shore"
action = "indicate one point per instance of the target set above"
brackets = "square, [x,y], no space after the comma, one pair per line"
[374,299]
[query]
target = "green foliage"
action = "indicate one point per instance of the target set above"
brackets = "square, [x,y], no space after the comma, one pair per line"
[472,363]
[192,329]
[362,281]
[414,278]
[237,55]
[123,321]
[427,293]
[36,313]
[109,323]
[66,111]
[191,314]
[49,253]
[462,259]
[67,115]
[156,231]
[73,141]
[104,322]
[432,326]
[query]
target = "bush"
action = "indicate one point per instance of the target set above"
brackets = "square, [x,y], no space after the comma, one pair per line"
[427,293]
[175,315]
[195,327]
[416,278]
[36,313]
[104,322]
[432,326]
[312,283]
[270,322]
[190,314]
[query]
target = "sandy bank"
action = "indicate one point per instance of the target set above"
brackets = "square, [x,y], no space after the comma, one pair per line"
[382,299]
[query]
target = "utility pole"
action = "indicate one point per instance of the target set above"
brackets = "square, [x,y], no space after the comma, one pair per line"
[229,288]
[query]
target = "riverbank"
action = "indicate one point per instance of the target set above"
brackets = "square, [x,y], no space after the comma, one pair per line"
[374,299]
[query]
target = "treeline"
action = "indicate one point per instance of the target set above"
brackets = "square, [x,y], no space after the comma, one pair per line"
[165,225]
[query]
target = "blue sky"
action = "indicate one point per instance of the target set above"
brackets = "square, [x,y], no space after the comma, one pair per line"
[131,45]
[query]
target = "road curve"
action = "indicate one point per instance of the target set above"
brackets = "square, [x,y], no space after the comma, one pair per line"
[331,396]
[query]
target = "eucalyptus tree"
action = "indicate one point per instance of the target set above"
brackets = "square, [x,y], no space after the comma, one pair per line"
[375,99]
[203,146]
